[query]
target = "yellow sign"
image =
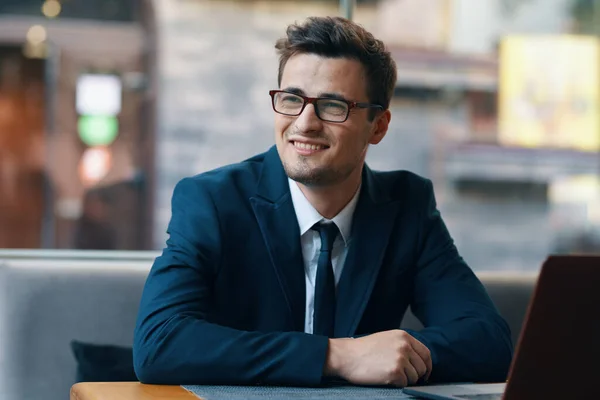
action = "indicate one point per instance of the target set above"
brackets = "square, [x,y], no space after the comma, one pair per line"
[549,93]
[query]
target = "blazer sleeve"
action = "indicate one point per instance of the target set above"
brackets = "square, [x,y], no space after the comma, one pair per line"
[173,341]
[467,337]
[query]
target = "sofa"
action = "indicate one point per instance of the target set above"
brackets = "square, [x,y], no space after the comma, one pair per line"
[48,299]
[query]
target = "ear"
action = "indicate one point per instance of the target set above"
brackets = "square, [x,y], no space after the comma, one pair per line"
[380,127]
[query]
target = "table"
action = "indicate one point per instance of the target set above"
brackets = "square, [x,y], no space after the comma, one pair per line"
[138,391]
[128,391]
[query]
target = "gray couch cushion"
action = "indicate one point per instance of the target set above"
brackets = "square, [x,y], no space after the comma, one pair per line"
[46,304]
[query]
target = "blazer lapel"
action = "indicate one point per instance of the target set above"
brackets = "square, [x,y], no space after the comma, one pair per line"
[371,228]
[277,220]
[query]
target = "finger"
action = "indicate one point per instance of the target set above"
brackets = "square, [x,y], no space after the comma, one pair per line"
[400,380]
[426,379]
[418,363]
[411,374]
[424,353]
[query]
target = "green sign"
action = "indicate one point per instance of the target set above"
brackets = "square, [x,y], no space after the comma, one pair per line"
[98,130]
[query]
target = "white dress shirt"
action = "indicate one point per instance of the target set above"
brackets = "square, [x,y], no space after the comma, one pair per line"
[311,243]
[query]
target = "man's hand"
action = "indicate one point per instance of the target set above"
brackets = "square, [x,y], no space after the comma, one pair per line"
[384,358]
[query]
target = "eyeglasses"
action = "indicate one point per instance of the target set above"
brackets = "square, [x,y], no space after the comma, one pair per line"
[327,109]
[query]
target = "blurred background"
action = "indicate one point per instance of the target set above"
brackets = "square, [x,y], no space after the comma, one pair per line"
[106,104]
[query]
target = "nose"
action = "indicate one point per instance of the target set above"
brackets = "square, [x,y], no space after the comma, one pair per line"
[308,121]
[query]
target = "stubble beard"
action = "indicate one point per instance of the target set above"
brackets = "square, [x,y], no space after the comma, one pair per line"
[317,176]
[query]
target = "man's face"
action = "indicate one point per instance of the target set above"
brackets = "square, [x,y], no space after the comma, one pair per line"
[316,152]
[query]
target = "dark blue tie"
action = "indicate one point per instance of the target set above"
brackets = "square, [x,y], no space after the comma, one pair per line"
[324,314]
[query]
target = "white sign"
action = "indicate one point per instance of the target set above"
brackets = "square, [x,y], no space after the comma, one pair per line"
[99,95]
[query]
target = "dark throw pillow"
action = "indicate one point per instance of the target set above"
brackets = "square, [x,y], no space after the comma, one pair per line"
[103,363]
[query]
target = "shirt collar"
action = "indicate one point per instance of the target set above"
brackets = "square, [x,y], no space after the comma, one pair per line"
[307,215]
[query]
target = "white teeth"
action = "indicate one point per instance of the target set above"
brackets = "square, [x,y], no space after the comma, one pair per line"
[307,146]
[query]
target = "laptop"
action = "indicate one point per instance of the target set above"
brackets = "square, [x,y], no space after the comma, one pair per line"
[558,350]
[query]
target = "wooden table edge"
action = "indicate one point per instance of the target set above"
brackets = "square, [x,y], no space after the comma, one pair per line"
[128,391]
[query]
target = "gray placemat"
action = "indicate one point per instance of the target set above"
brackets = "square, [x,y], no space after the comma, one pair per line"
[296,393]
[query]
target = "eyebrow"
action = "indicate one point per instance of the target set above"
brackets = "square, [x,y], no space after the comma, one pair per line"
[326,95]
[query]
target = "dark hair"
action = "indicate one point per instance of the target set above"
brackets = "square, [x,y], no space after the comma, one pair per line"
[337,37]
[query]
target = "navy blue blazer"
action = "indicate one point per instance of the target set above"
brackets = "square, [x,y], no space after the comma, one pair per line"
[225,302]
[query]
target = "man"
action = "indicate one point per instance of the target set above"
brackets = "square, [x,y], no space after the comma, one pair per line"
[297,265]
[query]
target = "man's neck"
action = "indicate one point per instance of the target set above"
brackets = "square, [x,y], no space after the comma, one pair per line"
[330,200]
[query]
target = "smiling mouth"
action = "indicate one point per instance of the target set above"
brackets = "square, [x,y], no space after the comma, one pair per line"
[308,147]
